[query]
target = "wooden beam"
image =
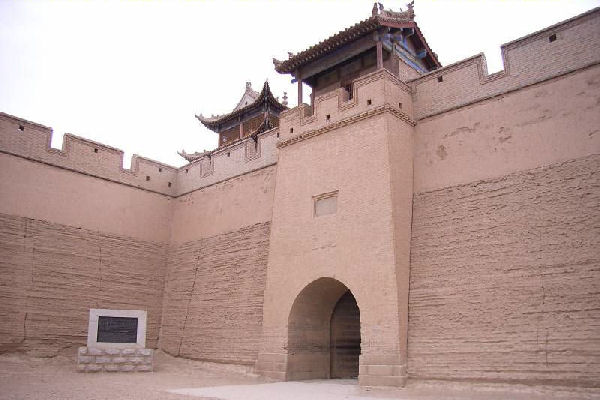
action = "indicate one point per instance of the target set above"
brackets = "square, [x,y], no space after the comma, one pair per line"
[336,57]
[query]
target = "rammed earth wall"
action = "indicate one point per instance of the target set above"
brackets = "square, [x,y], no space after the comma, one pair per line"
[52,274]
[214,296]
[505,276]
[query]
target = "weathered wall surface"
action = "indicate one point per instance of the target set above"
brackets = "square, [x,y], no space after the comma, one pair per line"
[44,192]
[52,274]
[72,241]
[528,60]
[505,266]
[505,278]
[84,199]
[554,121]
[214,296]
[224,207]
[217,269]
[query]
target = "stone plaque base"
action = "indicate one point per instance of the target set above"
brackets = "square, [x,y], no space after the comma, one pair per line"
[91,359]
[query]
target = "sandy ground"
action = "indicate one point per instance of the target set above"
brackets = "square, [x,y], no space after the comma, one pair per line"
[23,377]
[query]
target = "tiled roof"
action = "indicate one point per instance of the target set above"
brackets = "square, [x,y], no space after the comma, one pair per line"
[384,18]
[249,99]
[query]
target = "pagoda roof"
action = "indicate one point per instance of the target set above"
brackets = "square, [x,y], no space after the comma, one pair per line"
[380,19]
[250,101]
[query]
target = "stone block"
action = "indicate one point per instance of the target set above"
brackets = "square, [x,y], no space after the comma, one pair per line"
[144,368]
[85,359]
[136,360]
[128,352]
[119,360]
[93,368]
[112,367]
[103,360]
[112,352]
[126,367]
[92,351]
[147,360]
[80,367]
[144,352]
[82,351]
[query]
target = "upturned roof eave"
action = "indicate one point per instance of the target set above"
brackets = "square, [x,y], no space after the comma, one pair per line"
[265,96]
[360,29]
[339,39]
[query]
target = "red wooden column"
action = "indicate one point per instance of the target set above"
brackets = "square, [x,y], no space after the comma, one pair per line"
[299,77]
[299,91]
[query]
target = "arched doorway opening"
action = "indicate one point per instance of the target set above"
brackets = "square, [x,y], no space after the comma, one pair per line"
[323,332]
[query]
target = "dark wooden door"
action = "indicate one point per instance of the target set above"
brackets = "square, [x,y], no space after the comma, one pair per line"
[345,338]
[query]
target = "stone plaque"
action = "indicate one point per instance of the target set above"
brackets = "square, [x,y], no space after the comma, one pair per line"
[325,204]
[117,329]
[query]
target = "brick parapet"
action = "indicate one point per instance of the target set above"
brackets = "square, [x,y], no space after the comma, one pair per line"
[528,60]
[31,141]
[374,91]
[226,162]
[91,359]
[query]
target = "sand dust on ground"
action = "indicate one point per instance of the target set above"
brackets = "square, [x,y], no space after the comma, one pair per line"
[23,377]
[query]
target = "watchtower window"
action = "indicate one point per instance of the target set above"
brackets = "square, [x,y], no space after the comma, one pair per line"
[348,91]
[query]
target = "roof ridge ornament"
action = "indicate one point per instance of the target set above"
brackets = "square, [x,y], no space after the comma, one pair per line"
[380,19]
[190,157]
[409,14]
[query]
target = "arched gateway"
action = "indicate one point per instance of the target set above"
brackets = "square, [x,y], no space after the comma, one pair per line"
[323,332]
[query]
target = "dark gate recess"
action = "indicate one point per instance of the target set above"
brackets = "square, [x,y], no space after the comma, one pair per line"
[345,337]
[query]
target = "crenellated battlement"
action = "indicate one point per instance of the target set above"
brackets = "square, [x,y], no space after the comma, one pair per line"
[237,158]
[554,51]
[377,92]
[32,141]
